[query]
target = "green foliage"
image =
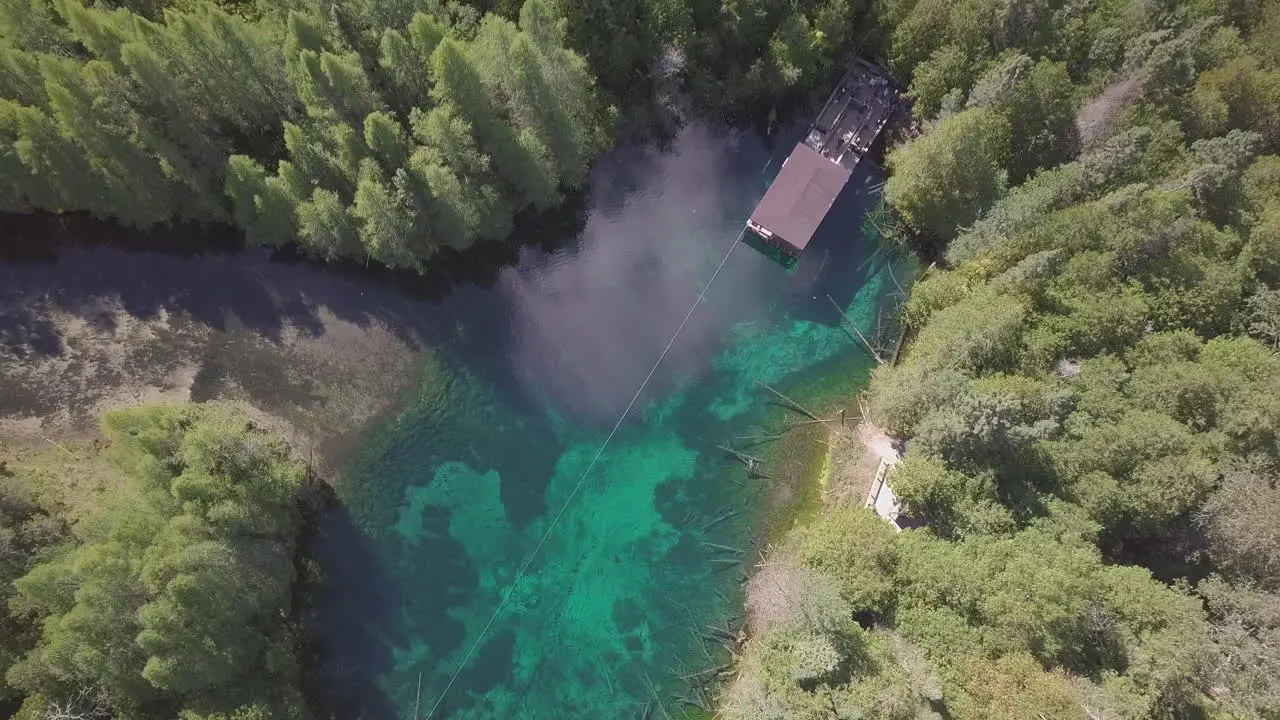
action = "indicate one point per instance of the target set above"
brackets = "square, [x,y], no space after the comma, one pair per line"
[746,52]
[977,334]
[1239,95]
[1038,101]
[29,533]
[946,70]
[1138,473]
[1014,687]
[1081,398]
[624,41]
[944,180]
[830,544]
[1059,603]
[850,673]
[901,396]
[177,595]
[151,117]
[952,503]
[1264,316]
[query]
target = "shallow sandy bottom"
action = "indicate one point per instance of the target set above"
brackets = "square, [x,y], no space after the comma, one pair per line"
[321,386]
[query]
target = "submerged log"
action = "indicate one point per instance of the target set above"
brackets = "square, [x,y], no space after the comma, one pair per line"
[707,671]
[792,403]
[874,353]
[758,438]
[717,520]
[745,459]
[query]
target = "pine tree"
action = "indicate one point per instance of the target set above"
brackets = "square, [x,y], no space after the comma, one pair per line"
[30,25]
[177,132]
[20,77]
[22,186]
[104,33]
[544,114]
[426,32]
[386,221]
[517,158]
[386,139]
[230,69]
[325,226]
[261,205]
[327,155]
[335,86]
[134,184]
[405,70]
[304,32]
[538,18]
[407,60]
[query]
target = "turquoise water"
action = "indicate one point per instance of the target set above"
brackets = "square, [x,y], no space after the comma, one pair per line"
[486,548]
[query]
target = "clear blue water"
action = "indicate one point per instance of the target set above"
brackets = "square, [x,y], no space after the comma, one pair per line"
[527,364]
[482,474]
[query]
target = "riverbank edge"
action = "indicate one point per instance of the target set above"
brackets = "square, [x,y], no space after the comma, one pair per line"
[843,461]
[80,461]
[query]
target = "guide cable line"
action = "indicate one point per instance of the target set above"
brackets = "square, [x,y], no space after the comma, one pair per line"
[591,466]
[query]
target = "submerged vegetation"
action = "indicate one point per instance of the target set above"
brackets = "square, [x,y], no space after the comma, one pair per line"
[1092,398]
[1090,401]
[166,591]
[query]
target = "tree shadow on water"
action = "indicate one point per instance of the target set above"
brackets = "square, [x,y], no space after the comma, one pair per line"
[92,268]
[349,622]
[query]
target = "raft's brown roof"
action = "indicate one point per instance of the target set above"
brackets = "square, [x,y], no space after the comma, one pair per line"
[800,196]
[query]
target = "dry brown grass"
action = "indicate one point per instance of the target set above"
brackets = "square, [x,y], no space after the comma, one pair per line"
[68,476]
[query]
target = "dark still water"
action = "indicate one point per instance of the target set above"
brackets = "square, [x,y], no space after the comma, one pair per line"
[490,543]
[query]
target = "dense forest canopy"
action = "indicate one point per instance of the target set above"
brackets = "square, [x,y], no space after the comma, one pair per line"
[1091,402]
[375,130]
[381,131]
[172,595]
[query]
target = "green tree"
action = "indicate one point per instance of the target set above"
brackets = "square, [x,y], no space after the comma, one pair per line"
[1012,687]
[947,69]
[177,595]
[1138,474]
[1240,95]
[29,534]
[518,157]
[261,205]
[1037,99]
[944,180]
[134,183]
[1264,316]
[387,225]
[334,86]
[856,549]
[326,226]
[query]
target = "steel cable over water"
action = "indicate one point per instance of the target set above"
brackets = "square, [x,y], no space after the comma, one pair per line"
[591,466]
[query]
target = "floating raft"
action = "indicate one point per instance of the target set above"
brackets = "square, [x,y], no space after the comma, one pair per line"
[817,170]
